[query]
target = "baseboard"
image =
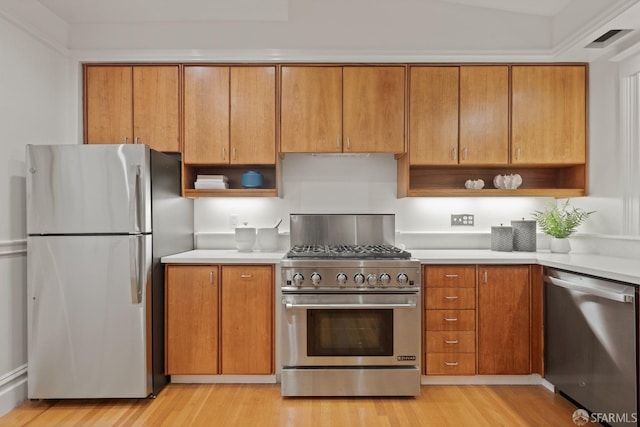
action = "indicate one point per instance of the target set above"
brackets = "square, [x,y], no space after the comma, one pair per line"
[223,379]
[13,389]
[533,379]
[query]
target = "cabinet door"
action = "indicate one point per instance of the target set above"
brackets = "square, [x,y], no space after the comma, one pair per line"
[311,110]
[373,109]
[548,114]
[433,115]
[206,115]
[155,107]
[192,320]
[247,320]
[484,115]
[253,115]
[108,105]
[503,320]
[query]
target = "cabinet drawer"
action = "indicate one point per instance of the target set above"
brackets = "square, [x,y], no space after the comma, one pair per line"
[450,342]
[450,298]
[451,364]
[450,276]
[450,320]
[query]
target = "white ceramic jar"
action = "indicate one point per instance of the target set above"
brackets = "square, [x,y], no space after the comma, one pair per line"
[268,239]
[245,238]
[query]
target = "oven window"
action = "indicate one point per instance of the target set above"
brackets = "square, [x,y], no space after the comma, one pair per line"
[350,332]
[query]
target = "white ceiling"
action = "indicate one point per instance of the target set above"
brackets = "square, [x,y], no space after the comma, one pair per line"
[530,7]
[129,11]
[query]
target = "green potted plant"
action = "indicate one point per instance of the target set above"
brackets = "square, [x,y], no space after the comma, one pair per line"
[560,222]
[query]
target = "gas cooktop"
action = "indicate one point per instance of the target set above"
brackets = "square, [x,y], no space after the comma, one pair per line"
[347,252]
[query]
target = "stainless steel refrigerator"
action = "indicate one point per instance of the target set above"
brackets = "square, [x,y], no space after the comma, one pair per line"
[99,218]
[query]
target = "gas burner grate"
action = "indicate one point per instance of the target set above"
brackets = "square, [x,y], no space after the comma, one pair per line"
[348,251]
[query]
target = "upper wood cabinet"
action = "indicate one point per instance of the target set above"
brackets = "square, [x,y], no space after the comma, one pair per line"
[484,115]
[230,115]
[479,121]
[433,115]
[459,115]
[132,104]
[311,109]
[351,109]
[548,114]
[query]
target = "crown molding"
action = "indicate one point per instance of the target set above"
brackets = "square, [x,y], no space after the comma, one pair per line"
[306,55]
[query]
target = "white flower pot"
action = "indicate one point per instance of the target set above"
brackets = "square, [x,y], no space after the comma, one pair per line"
[559,246]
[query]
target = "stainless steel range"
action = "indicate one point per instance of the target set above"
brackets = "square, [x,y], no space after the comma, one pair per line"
[351,309]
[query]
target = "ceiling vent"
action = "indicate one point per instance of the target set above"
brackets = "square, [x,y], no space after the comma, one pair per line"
[608,38]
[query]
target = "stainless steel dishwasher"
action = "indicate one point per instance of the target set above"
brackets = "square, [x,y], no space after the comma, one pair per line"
[590,343]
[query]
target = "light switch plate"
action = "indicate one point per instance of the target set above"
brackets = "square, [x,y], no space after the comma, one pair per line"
[462,219]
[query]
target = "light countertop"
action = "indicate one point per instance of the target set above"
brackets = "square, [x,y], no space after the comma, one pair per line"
[622,269]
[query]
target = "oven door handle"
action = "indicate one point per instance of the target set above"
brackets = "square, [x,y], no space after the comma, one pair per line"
[291,306]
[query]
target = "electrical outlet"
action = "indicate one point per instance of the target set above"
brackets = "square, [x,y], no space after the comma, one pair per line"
[233,221]
[462,219]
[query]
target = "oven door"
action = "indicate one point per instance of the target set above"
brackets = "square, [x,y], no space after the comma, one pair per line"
[350,329]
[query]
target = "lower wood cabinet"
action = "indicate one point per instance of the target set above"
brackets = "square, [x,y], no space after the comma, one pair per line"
[191,319]
[246,340]
[219,319]
[479,320]
[504,323]
[450,320]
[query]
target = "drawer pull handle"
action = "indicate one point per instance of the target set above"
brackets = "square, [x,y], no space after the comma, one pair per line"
[450,276]
[451,297]
[451,341]
[246,276]
[451,319]
[451,363]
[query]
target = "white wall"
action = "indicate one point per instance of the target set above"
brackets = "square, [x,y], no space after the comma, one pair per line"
[360,184]
[36,107]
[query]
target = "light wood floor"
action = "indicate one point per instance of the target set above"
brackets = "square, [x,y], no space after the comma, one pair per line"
[222,405]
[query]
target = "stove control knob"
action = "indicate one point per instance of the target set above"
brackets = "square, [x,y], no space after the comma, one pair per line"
[341,278]
[385,279]
[315,279]
[402,279]
[298,279]
[372,279]
[359,279]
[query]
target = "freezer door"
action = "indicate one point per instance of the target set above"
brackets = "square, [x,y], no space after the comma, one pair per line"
[80,189]
[89,316]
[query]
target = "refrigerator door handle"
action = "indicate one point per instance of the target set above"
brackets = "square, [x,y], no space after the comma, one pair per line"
[137,268]
[137,203]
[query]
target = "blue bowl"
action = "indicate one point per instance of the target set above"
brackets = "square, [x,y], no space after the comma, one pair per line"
[252,179]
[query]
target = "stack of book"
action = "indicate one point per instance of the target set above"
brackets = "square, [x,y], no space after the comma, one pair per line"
[211,182]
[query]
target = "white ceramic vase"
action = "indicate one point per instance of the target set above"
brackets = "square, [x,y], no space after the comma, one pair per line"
[559,246]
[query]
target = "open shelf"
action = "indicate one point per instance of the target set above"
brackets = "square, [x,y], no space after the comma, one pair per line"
[234,173]
[559,181]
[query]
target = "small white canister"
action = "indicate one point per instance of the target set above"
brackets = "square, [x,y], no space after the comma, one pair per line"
[502,238]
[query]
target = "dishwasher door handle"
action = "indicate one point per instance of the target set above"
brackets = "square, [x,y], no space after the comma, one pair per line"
[614,296]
